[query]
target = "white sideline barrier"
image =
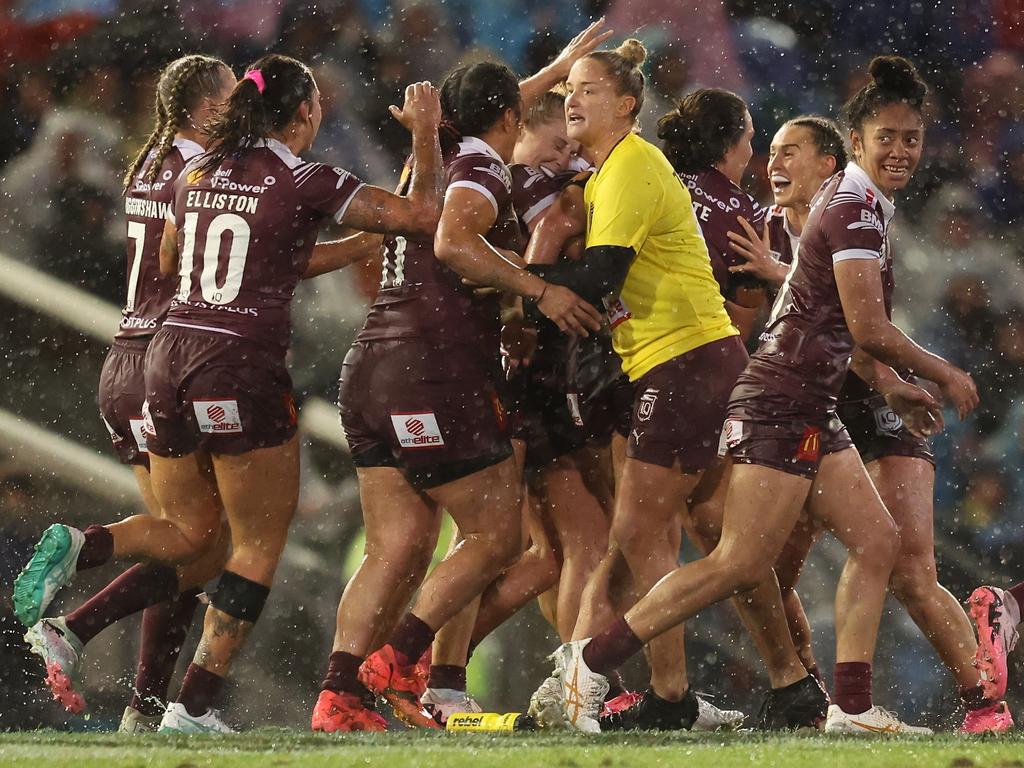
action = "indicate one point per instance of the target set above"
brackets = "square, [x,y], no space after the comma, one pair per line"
[42,452]
[99,319]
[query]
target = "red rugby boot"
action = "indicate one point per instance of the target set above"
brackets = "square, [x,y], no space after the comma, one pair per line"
[345,712]
[996,616]
[992,719]
[400,685]
[623,701]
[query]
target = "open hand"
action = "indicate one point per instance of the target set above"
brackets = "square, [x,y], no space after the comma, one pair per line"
[920,412]
[585,42]
[761,261]
[568,311]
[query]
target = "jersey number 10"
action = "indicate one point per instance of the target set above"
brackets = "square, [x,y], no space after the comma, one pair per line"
[226,223]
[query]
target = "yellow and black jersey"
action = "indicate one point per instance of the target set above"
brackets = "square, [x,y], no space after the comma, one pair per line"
[670,302]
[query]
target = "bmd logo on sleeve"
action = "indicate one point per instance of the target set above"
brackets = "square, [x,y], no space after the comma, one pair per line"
[217,417]
[417,430]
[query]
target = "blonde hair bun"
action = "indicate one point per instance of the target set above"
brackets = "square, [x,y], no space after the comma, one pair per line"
[633,51]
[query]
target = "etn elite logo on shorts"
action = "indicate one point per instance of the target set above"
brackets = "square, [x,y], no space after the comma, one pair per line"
[217,417]
[417,430]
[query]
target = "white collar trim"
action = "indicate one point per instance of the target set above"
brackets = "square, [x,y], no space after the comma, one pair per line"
[888,208]
[280,149]
[476,144]
[187,145]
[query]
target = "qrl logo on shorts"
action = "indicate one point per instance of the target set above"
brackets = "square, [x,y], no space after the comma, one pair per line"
[810,446]
[645,409]
[417,430]
[217,417]
[887,421]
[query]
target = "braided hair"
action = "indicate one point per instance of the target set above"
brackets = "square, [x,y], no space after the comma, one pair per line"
[825,135]
[474,96]
[182,84]
[260,105]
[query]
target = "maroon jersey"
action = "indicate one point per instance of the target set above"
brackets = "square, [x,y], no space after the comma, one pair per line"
[421,298]
[146,206]
[805,351]
[534,190]
[781,239]
[716,203]
[246,230]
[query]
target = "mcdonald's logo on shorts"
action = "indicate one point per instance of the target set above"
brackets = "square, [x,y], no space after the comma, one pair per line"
[810,446]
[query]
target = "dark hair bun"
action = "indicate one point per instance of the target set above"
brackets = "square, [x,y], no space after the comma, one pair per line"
[897,75]
[699,132]
[893,79]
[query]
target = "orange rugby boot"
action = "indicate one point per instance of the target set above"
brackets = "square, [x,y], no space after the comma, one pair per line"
[345,712]
[400,685]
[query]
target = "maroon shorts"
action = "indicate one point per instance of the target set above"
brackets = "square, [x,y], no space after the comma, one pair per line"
[217,393]
[609,412]
[768,429]
[679,406]
[428,408]
[121,395]
[878,432]
[545,421]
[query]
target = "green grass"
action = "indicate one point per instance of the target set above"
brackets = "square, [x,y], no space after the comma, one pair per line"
[270,747]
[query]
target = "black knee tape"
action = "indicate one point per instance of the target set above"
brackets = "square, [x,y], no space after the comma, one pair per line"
[238,597]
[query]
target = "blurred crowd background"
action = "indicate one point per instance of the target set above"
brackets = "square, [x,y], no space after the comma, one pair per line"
[76,100]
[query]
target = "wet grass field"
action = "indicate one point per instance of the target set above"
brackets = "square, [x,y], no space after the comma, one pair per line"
[278,747]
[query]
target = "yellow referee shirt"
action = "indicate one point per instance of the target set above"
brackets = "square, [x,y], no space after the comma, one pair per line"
[670,302]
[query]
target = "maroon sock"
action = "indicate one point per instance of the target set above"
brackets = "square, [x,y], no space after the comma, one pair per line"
[97,549]
[200,690]
[164,628]
[611,649]
[411,638]
[447,676]
[343,674]
[1018,594]
[134,590]
[853,687]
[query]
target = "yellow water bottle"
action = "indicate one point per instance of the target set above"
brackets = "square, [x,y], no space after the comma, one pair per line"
[490,722]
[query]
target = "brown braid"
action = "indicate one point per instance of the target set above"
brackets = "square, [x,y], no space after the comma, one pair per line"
[182,84]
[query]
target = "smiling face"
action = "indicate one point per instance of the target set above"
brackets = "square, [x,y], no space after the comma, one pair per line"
[594,109]
[888,146]
[796,167]
[545,144]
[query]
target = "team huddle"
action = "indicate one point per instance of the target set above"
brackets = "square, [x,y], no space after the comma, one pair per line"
[557,359]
